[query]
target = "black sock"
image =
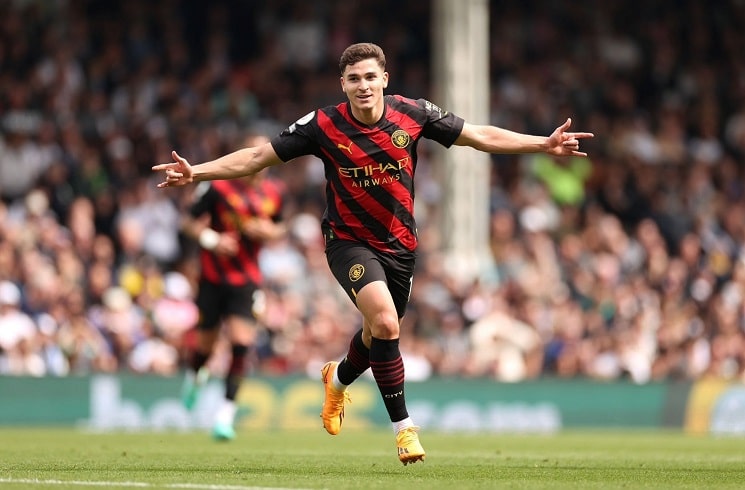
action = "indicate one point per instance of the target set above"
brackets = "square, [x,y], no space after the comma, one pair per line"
[236,371]
[198,359]
[388,369]
[356,362]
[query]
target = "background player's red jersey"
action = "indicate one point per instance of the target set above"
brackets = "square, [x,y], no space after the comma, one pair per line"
[230,204]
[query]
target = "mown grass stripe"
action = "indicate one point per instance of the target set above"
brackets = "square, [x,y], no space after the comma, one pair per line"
[134,484]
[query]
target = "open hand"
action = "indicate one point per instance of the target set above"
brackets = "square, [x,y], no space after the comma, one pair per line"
[563,143]
[178,173]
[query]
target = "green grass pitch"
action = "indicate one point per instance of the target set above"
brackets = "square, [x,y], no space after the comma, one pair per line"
[57,459]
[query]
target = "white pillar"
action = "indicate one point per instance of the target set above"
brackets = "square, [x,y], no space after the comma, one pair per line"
[460,34]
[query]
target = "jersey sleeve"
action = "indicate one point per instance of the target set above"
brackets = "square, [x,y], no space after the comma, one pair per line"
[441,126]
[298,139]
[204,199]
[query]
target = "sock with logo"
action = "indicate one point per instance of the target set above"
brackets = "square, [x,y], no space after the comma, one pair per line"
[388,370]
[354,364]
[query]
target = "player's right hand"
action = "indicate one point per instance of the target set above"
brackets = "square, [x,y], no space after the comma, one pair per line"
[178,172]
[228,245]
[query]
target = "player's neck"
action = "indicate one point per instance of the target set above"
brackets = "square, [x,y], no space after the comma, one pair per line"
[369,116]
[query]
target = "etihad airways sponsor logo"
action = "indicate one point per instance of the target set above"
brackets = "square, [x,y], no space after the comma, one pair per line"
[374,169]
[375,174]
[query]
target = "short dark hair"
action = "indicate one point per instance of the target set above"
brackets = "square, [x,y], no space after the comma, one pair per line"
[361,51]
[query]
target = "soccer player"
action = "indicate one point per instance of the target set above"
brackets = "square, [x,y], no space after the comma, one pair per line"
[368,147]
[230,219]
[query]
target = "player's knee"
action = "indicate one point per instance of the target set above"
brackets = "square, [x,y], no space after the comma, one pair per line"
[385,326]
[240,330]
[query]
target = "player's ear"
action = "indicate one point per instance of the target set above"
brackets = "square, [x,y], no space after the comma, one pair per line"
[341,81]
[385,79]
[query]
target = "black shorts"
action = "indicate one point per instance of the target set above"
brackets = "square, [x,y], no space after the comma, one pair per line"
[217,301]
[355,265]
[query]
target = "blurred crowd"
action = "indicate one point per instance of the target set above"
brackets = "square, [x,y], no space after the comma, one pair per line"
[628,264]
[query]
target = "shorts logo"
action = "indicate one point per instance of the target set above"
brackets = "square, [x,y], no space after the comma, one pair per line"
[400,138]
[356,272]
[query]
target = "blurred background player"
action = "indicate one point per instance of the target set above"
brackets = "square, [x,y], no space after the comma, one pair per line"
[230,219]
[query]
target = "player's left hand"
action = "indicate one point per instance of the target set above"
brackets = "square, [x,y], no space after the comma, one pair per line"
[262,229]
[563,143]
[178,173]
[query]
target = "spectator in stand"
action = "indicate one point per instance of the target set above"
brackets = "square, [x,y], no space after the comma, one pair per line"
[17,333]
[86,117]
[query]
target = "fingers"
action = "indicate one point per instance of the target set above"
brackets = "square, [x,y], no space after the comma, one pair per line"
[582,135]
[178,157]
[566,126]
[167,183]
[178,161]
[172,180]
[173,176]
[571,144]
[170,169]
[174,170]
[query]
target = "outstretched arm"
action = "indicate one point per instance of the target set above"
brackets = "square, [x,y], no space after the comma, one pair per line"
[246,161]
[492,139]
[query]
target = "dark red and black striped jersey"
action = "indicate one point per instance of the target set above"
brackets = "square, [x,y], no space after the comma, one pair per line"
[370,169]
[230,203]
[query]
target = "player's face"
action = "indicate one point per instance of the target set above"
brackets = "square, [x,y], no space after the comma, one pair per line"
[363,83]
